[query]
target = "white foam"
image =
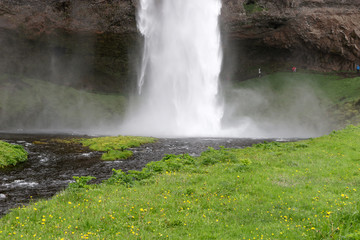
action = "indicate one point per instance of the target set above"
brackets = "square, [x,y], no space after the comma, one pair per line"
[20,183]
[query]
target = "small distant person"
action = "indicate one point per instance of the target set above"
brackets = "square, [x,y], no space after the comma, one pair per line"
[357,68]
[259,72]
[293,69]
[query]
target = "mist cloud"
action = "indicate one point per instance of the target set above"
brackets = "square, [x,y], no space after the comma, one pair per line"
[294,109]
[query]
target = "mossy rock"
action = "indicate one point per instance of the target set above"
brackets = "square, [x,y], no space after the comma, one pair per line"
[11,154]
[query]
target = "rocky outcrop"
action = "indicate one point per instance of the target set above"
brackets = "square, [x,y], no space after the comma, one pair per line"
[35,17]
[321,35]
[91,43]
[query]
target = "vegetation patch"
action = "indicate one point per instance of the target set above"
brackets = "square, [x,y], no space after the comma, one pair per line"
[337,96]
[252,7]
[115,147]
[33,103]
[11,154]
[307,189]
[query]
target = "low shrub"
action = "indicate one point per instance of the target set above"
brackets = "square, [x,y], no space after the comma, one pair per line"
[80,182]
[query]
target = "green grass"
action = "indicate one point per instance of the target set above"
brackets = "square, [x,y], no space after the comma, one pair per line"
[304,95]
[34,103]
[253,8]
[115,147]
[332,86]
[11,154]
[299,190]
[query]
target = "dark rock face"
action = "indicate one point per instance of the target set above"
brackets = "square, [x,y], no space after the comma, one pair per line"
[85,44]
[321,35]
[38,16]
[93,44]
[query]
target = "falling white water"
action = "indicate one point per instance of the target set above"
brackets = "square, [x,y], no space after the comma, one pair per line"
[181,62]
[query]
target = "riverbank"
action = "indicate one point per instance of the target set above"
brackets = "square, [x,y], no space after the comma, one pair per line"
[53,161]
[306,189]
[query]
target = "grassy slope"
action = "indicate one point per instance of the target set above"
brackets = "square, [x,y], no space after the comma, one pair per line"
[33,103]
[302,190]
[335,87]
[338,94]
[10,154]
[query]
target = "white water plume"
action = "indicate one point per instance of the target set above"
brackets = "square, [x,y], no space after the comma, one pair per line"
[179,76]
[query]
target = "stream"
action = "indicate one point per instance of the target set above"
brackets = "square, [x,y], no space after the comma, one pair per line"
[52,164]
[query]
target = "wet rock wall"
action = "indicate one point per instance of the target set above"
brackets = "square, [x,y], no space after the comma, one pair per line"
[95,44]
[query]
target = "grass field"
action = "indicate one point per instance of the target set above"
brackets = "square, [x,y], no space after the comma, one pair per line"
[299,190]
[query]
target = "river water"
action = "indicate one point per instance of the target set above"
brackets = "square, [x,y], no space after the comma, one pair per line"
[52,164]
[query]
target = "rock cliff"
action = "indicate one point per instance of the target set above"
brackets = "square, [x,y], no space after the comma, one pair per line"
[322,35]
[93,43]
[89,44]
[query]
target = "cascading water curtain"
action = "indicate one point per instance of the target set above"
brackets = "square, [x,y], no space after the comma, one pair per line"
[179,76]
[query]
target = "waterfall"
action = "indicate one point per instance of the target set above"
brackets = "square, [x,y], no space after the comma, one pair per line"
[179,75]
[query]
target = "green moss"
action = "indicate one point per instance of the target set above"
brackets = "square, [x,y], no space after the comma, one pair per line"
[253,8]
[11,154]
[116,154]
[115,147]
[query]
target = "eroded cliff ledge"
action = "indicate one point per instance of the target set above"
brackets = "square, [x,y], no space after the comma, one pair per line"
[84,41]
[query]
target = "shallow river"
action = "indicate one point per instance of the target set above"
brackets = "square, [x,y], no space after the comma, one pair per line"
[52,164]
